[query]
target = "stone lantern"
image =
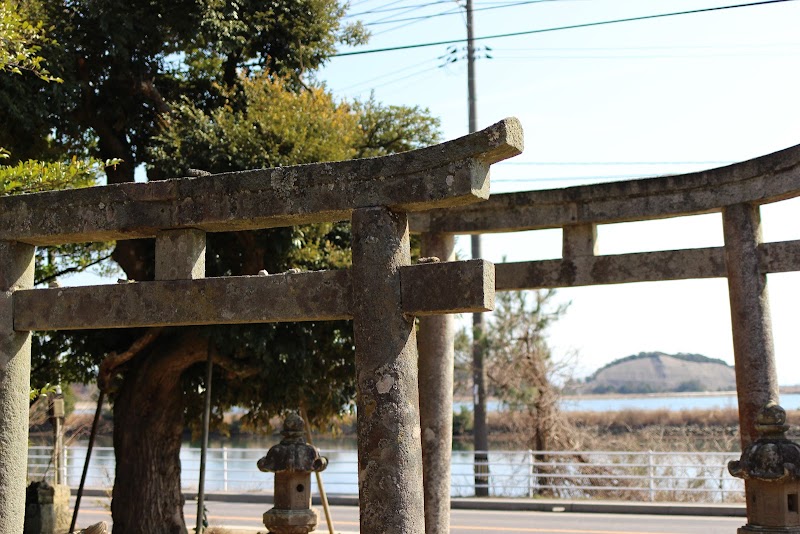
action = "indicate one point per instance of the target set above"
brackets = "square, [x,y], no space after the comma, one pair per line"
[771,465]
[292,460]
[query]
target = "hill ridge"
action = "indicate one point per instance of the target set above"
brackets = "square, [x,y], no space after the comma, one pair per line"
[655,372]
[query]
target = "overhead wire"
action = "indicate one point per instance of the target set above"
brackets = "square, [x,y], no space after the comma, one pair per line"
[456,11]
[386,75]
[372,11]
[560,28]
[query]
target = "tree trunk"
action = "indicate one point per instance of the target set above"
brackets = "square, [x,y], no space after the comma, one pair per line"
[148,415]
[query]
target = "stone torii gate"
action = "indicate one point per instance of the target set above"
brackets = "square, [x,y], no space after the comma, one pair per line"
[382,292]
[736,192]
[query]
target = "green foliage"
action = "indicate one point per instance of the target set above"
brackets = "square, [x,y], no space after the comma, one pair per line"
[45,390]
[270,126]
[124,61]
[463,422]
[386,130]
[20,43]
[36,176]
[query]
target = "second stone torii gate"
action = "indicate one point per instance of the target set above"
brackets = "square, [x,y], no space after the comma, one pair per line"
[382,292]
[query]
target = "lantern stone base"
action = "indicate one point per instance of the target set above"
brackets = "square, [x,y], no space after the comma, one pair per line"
[291,521]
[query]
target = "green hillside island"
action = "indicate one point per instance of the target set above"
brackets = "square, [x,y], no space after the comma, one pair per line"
[656,372]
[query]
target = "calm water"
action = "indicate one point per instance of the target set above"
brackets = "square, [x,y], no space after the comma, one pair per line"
[646,402]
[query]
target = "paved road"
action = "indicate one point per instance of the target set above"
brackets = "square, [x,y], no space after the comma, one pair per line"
[345,519]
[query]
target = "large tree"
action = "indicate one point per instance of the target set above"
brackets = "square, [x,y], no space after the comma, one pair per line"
[216,85]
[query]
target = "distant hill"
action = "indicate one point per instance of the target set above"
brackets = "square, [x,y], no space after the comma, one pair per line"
[655,372]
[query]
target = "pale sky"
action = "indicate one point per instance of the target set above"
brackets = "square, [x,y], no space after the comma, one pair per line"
[661,96]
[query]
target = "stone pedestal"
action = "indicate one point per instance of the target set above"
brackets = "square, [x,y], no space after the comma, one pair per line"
[47,509]
[771,468]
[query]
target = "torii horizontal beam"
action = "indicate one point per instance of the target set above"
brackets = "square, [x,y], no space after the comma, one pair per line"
[761,180]
[466,286]
[445,175]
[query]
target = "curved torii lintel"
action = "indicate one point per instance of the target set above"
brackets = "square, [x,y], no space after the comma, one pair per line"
[450,174]
[761,180]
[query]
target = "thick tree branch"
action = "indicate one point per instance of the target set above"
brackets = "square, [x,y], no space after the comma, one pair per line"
[114,360]
[234,368]
[151,92]
[69,270]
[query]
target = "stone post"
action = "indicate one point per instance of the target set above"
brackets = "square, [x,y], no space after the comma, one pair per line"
[436,338]
[579,240]
[389,449]
[181,254]
[756,378]
[16,272]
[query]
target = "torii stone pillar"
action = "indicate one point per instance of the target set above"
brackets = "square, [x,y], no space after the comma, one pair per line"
[16,272]
[756,377]
[389,451]
[436,355]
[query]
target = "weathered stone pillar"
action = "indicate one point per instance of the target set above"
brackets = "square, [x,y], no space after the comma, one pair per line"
[435,342]
[756,377]
[389,449]
[16,272]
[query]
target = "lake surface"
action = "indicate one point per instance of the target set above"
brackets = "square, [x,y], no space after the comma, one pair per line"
[617,403]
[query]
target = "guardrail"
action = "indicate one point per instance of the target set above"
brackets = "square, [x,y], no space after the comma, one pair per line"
[653,476]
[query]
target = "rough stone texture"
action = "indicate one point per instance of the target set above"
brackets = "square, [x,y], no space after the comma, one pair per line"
[47,509]
[450,174]
[389,448]
[228,300]
[771,465]
[180,254]
[309,296]
[435,343]
[765,179]
[16,271]
[453,287]
[616,269]
[292,460]
[756,376]
[779,257]
[579,240]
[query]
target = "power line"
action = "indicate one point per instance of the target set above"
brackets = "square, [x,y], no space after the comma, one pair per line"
[386,75]
[454,11]
[350,15]
[559,28]
[457,11]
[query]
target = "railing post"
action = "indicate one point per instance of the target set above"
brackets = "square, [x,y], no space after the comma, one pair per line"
[16,272]
[224,468]
[651,475]
[531,480]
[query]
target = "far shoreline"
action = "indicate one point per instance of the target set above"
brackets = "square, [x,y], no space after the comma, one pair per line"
[783,390]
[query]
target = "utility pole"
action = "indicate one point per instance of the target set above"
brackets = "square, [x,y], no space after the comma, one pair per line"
[480,429]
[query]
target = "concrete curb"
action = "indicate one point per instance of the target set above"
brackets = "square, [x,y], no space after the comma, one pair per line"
[506,504]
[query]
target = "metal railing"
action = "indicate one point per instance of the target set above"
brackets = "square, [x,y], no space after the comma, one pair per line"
[653,476]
